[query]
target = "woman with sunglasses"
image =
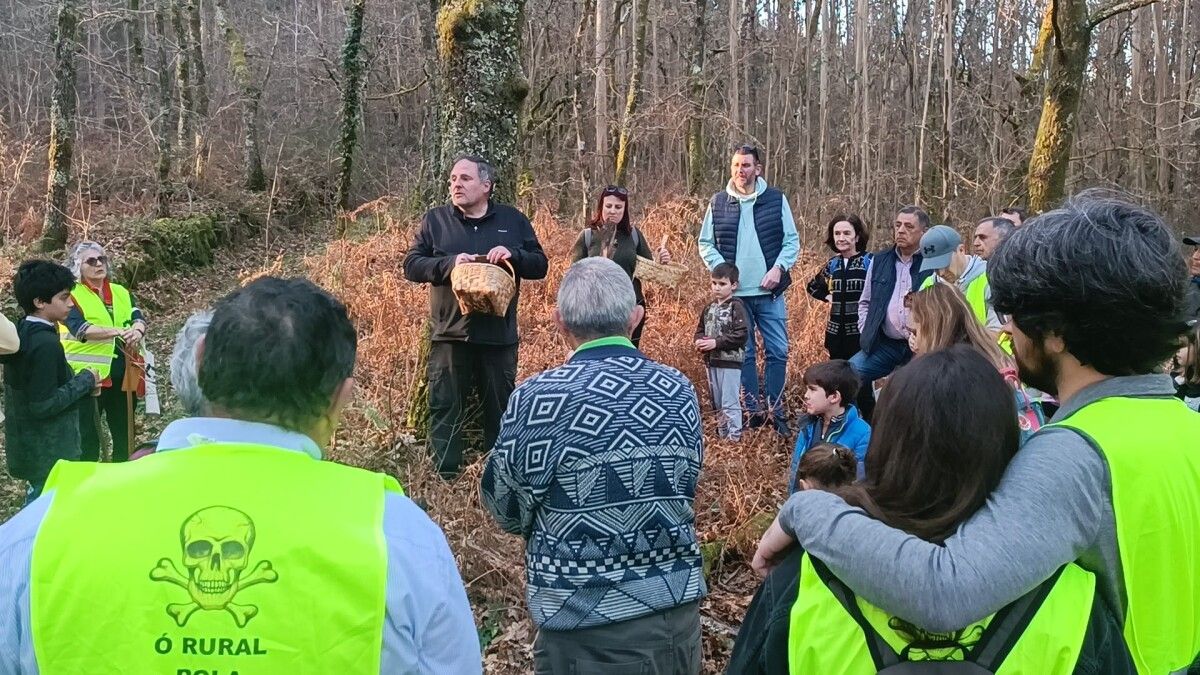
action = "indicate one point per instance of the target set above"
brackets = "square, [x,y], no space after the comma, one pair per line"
[610,234]
[102,330]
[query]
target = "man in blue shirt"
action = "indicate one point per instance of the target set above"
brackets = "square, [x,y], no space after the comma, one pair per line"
[275,366]
[750,225]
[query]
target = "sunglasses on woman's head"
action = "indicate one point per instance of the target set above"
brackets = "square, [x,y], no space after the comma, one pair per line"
[616,190]
[97,260]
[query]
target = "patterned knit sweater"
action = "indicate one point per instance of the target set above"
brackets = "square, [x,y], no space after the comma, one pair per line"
[596,466]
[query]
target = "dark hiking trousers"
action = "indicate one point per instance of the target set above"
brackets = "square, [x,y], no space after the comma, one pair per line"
[456,369]
[665,643]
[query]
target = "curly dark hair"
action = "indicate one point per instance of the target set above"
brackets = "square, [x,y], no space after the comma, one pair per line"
[1103,274]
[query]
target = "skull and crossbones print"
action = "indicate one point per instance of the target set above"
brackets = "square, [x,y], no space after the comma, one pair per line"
[216,543]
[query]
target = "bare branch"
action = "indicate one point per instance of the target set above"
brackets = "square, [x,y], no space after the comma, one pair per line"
[1114,8]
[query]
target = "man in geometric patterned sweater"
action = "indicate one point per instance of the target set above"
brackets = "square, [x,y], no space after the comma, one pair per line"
[596,466]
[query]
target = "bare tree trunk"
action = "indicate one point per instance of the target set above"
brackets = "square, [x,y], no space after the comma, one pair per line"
[352,78]
[1162,103]
[624,140]
[919,189]
[166,116]
[735,71]
[600,151]
[581,57]
[695,134]
[62,127]
[183,85]
[485,87]
[249,93]
[823,160]
[947,96]
[862,102]
[432,188]
[199,82]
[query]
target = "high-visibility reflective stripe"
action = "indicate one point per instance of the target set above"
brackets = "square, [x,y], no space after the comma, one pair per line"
[88,358]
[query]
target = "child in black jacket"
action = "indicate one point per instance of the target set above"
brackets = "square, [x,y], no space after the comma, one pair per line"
[41,395]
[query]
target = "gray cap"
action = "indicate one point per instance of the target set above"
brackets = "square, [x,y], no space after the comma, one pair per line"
[1192,241]
[938,245]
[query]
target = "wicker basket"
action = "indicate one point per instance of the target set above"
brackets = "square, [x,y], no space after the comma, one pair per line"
[669,274]
[483,288]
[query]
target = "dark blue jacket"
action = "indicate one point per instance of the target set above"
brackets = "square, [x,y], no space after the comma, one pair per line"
[883,284]
[768,223]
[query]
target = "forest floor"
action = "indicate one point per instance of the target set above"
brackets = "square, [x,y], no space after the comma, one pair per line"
[740,489]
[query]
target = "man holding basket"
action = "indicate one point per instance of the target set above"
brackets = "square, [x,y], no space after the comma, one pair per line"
[470,351]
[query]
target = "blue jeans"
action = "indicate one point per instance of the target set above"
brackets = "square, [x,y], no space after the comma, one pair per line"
[769,314]
[888,355]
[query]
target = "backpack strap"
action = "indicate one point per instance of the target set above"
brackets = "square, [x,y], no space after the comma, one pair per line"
[881,652]
[989,653]
[636,237]
[1009,624]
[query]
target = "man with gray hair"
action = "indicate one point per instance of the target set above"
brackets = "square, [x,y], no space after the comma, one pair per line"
[185,379]
[470,352]
[990,233]
[596,467]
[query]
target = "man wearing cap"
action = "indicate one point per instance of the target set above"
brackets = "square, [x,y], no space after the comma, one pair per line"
[947,258]
[1193,298]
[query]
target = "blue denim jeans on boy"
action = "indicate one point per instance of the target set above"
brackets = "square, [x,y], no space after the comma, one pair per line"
[769,315]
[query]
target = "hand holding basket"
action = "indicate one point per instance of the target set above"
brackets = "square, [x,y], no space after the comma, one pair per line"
[482,287]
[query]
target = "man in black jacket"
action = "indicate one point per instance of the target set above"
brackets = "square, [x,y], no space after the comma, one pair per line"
[41,395]
[473,352]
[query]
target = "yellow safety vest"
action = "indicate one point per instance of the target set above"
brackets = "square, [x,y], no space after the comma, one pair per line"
[975,292]
[96,354]
[219,558]
[1152,449]
[832,632]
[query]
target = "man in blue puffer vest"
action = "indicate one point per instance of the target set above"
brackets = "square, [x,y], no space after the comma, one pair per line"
[750,225]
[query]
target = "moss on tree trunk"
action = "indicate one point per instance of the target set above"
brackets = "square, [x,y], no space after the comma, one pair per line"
[625,138]
[62,127]
[352,78]
[1068,55]
[479,51]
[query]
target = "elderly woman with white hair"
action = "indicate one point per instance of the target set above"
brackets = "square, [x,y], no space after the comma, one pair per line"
[103,329]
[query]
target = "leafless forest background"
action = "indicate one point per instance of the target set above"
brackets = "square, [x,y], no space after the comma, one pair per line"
[162,126]
[859,104]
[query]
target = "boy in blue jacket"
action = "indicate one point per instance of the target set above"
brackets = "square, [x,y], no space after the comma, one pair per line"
[828,389]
